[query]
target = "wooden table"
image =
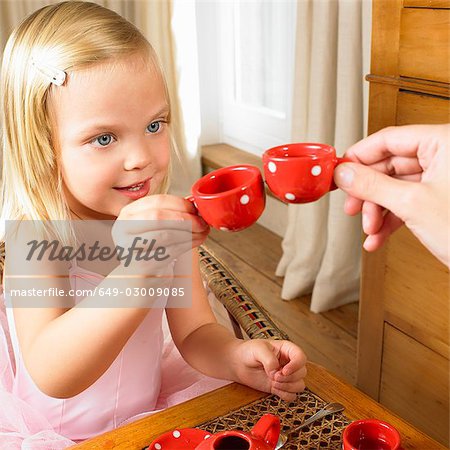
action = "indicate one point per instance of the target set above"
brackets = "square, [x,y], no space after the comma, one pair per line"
[138,434]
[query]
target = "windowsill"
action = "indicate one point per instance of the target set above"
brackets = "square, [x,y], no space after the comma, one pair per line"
[216,156]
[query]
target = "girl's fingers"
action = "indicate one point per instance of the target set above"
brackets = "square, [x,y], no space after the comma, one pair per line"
[265,356]
[286,396]
[293,387]
[290,357]
[161,219]
[295,376]
[199,238]
[296,361]
[160,202]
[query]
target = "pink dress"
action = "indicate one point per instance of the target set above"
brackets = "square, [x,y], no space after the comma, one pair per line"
[148,375]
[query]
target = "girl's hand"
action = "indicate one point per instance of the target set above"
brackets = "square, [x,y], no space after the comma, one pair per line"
[278,367]
[161,218]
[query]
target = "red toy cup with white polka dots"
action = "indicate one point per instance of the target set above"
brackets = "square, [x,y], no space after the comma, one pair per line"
[301,172]
[231,198]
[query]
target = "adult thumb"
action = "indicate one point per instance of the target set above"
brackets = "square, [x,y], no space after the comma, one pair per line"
[371,185]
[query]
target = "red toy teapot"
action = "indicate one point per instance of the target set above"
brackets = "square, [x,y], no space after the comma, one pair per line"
[263,436]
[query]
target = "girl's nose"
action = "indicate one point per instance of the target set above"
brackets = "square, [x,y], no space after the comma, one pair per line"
[137,157]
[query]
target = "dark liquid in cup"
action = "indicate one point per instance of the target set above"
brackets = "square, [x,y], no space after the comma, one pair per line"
[231,443]
[372,444]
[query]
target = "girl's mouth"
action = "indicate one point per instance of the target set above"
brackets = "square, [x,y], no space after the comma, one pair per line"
[136,190]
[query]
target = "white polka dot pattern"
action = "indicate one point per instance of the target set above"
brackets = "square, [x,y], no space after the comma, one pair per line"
[316,171]
[176,434]
[224,229]
[272,167]
[158,446]
[244,199]
[290,196]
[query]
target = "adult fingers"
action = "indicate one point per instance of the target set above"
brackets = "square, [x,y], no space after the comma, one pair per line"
[400,141]
[398,166]
[367,184]
[390,224]
[372,217]
[352,205]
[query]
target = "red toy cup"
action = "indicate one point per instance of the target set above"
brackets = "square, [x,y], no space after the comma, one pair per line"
[371,434]
[300,173]
[231,198]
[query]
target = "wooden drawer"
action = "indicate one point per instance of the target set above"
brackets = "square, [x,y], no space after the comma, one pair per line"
[424,54]
[416,292]
[421,108]
[415,384]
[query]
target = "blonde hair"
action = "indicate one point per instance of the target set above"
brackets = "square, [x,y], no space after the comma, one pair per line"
[69,36]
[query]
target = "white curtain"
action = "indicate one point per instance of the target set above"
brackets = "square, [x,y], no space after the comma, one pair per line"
[154,19]
[322,247]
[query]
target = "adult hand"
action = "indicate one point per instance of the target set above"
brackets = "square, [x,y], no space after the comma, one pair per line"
[402,177]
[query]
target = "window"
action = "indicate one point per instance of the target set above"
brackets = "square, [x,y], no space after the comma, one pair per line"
[246,98]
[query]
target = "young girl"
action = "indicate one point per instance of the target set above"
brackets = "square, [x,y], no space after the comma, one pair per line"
[86,119]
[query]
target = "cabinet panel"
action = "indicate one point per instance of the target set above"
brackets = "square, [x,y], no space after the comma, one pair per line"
[403,343]
[415,384]
[419,108]
[424,44]
[416,292]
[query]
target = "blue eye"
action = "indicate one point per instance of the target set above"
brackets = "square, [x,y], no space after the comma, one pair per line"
[103,140]
[154,127]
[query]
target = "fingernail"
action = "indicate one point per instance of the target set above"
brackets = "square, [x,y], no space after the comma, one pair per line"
[343,176]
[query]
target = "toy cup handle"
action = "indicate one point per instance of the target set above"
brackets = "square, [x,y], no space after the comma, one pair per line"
[338,160]
[267,429]
[191,199]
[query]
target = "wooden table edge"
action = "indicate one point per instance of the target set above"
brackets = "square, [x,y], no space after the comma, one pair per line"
[213,404]
[188,414]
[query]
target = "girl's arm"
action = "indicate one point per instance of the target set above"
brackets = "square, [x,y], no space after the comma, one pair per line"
[268,365]
[67,350]
[204,344]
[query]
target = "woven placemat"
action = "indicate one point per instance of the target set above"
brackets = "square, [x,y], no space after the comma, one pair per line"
[325,433]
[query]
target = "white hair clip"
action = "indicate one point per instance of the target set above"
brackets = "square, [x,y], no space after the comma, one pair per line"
[54,75]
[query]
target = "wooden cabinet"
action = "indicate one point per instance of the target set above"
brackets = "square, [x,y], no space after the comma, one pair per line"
[403,348]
